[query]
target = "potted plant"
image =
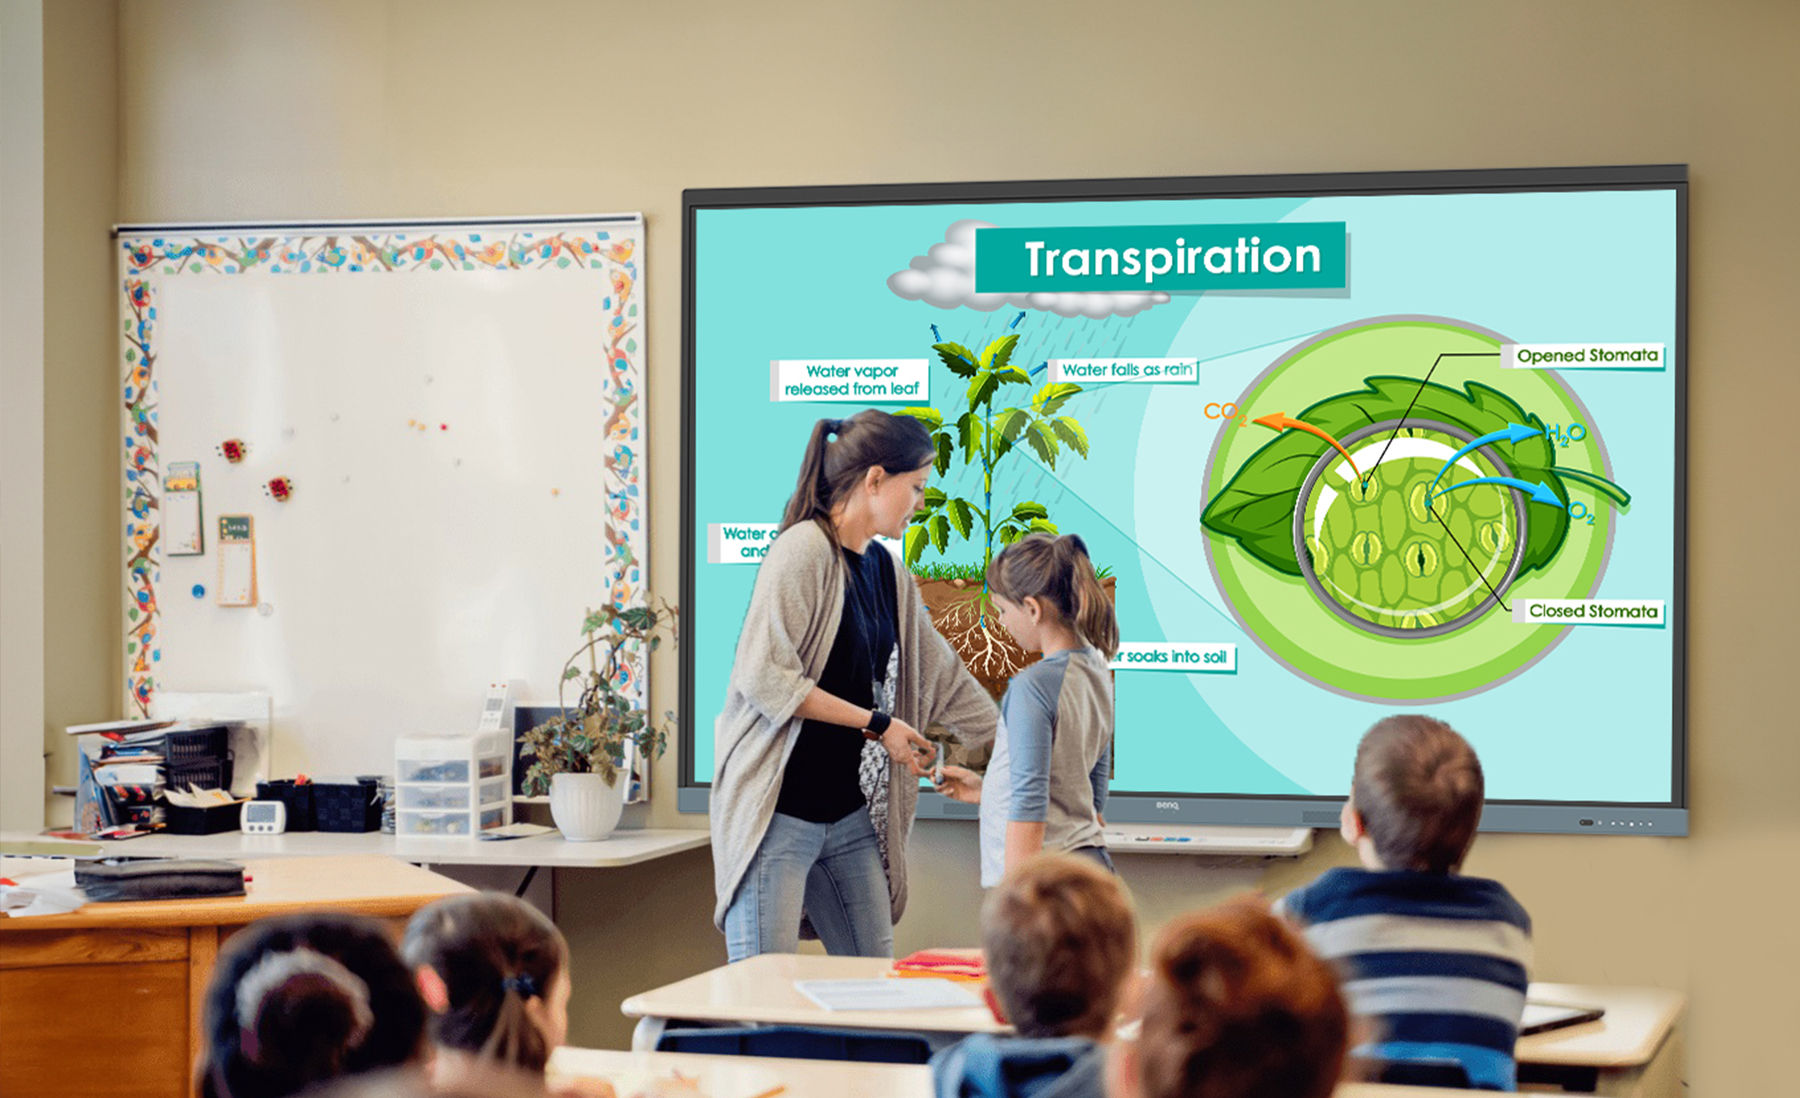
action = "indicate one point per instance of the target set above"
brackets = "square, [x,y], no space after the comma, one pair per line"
[578,756]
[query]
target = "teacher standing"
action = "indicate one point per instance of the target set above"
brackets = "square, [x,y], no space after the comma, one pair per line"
[837,668]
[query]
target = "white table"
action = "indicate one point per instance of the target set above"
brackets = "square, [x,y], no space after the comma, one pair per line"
[1626,1053]
[761,989]
[621,848]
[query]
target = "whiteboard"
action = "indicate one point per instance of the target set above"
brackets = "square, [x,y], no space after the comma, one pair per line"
[456,418]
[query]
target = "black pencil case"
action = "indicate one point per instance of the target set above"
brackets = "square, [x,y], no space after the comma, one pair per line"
[159,879]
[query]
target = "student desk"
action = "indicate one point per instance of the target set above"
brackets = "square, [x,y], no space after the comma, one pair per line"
[1634,1051]
[751,1077]
[761,989]
[1628,1053]
[106,1000]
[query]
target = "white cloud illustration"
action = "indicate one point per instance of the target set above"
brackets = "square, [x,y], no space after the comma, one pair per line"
[944,277]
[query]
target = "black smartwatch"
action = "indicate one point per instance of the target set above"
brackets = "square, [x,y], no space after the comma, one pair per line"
[878,724]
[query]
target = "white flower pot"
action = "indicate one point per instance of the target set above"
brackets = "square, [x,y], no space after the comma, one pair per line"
[584,807]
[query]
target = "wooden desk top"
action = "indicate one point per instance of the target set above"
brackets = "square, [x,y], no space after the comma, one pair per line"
[749,1077]
[1637,1021]
[367,884]
[761,989]
[621,848]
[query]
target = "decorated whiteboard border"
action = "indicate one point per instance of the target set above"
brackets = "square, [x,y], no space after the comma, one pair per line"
[150,254]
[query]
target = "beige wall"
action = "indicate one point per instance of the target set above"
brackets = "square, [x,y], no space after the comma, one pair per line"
[21,410]
[357,108]
[82,622]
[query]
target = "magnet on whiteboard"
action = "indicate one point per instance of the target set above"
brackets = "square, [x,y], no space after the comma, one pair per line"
[199,590]
[266,609]
[279,489]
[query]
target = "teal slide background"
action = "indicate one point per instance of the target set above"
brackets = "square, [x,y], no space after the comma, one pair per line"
[1589,722]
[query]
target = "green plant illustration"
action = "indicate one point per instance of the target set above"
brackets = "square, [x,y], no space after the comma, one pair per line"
[984,433]
[591,736]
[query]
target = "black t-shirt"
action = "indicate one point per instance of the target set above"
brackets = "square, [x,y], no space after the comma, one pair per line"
[820,783]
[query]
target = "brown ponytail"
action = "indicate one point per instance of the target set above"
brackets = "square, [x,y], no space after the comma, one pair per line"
[830,470]
[1057,572]
[493,952]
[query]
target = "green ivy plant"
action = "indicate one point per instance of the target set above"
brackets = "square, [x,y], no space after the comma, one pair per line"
[985,431]
[591,736]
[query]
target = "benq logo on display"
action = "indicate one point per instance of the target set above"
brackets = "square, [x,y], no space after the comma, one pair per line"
[1170,806]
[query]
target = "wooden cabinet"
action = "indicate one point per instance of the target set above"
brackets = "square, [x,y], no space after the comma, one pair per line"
[106,1000]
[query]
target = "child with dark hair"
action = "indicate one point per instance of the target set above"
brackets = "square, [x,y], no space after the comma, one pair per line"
[1046,784]
[495,973]
[1059,938]
[1436,960]
[1236,1006]
[299,1000]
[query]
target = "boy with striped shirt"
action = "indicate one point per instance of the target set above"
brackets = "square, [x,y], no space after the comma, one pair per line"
[1436,961]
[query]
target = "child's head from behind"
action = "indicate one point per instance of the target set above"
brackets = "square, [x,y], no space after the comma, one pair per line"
[1416,797]
[1060,939]
[1043,578]
[295,1001]
[495,973]
[1236,1006]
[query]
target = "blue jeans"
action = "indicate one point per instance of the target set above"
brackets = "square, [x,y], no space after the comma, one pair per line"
[832,871]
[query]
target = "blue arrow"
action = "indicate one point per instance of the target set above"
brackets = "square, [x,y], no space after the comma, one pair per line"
[935,337]
[1040,367]
[1514,433]
[1540,492]
[1015,322]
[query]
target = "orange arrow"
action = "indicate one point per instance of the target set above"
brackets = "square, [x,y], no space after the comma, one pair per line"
[1280,421]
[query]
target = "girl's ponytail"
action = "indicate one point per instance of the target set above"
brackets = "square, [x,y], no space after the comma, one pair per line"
[494,953]
[1095,618]
[1057,572]
[516,1039]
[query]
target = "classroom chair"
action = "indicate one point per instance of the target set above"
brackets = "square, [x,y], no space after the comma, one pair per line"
[800,1043]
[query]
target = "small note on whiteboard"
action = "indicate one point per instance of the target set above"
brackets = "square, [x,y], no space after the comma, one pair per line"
[183,531]
[237,561]
[910,994]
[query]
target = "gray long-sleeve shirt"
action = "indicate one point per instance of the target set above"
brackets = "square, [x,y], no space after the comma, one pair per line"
[1052,757]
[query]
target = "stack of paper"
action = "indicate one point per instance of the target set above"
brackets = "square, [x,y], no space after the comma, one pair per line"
[38,886]
[886,994]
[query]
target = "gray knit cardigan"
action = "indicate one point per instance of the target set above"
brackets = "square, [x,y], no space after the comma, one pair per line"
[788,633]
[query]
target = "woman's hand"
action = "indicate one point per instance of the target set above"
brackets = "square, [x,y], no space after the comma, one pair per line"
[905,744]
[961,784]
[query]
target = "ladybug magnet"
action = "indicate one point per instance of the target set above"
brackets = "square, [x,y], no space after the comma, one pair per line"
[279,489]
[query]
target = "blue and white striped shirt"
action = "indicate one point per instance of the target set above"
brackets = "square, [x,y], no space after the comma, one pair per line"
[1439,961]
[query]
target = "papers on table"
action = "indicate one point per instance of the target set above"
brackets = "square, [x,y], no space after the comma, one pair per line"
[38,886]
[916,994]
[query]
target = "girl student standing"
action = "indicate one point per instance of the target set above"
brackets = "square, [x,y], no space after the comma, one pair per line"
[1045,788]
[837,667]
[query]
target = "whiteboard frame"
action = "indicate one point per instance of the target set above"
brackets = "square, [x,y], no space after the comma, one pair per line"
[149,254]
